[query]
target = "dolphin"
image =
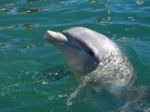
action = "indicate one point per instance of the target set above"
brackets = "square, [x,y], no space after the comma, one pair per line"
[96,58]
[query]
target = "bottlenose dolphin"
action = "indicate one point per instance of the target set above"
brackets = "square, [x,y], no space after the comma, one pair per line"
[97,58]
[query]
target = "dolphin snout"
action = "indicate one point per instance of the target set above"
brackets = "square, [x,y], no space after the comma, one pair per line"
[52,36]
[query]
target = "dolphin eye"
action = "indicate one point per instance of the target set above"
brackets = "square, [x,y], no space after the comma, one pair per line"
[90,52]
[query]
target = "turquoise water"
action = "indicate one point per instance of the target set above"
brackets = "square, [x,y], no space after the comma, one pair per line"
[34,75]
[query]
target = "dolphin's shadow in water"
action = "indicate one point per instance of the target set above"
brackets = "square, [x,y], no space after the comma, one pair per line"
[137,99]
[55,73]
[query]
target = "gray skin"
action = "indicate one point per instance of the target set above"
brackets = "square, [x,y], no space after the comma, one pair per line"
[96,58]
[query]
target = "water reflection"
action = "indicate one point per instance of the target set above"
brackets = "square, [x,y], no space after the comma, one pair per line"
[14,10]
[31,1]
[20,26]
[29,26]
[30,10]
[93,1]
[55,73]
[4,9]
[105,19]
[23,8]
[140,2]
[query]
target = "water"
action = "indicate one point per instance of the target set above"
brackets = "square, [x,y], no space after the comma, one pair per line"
[34,76]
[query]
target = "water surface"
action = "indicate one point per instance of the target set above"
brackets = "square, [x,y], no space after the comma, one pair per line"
[34,76]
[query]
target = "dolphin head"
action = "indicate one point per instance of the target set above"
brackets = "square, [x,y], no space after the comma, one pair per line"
[81,47]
